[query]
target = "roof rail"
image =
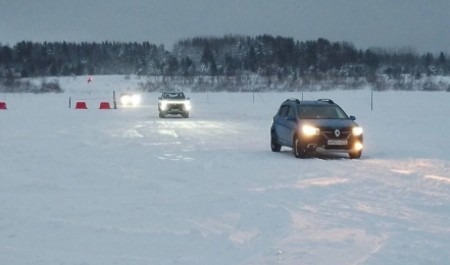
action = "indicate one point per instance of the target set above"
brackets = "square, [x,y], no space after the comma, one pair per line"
[296,100]
[326,100]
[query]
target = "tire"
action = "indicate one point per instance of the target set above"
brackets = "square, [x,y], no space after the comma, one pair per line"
[298,150]
[161,115]
[186,115]
[274,145]
[355,155]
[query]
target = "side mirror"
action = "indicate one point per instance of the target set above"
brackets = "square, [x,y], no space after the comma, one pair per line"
[352,117]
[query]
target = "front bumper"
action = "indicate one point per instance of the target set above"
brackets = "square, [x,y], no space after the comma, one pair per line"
[173,108]
[324,144]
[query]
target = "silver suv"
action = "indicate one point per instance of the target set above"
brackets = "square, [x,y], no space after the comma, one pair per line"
[174,103]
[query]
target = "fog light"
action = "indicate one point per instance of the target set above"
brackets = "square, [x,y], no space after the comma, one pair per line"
[358,146]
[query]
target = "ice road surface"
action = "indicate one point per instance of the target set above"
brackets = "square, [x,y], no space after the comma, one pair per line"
[126,187]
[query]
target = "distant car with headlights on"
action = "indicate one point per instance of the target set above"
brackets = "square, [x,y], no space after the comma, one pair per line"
[315,126]
[174,103]
[130,99]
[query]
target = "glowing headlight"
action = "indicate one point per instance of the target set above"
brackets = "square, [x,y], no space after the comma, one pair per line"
[125,99]
[135,100]
[357,131]
[163,105]
[187,105]
[130,99]
[309,130]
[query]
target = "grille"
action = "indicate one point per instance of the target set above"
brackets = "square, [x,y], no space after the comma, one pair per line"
[329,134]
[176,106]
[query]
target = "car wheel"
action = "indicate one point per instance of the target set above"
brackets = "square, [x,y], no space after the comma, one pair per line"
[161,115]
[298,150]
[274,145]
[186,115]
[355,155]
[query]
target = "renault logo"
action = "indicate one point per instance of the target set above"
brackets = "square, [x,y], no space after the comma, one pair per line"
[337,133]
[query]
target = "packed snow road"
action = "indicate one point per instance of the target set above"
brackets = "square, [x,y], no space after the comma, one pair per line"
[126,187]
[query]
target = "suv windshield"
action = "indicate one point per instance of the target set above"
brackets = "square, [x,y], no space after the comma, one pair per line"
[321,112]
[173,96]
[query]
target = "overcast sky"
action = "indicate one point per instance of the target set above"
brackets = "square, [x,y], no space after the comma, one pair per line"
[423,25]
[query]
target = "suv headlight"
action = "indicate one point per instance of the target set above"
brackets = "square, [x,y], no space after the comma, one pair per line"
[357,131]
[125,99]
[187,105]
[309,130]
[163,105]
[135,100]
[129,99]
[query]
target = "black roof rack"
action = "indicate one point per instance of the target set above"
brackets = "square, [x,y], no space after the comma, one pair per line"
[296,100]
[326,100]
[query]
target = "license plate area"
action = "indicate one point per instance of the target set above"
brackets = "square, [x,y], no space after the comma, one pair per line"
[337,142]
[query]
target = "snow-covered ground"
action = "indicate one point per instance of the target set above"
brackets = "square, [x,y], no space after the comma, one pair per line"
[126,187]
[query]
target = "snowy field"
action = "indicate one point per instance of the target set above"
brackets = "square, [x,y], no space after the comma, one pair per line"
[103,187]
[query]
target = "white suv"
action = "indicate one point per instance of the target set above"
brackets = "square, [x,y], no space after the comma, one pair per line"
[175,103]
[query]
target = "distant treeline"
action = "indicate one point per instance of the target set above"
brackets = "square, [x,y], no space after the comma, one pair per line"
[227,56]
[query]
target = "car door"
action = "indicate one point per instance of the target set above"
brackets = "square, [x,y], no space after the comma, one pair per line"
[279,122]
[290,125]
[286,121]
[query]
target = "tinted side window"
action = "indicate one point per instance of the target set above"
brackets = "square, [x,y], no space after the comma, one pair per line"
[291,113]
[283,111]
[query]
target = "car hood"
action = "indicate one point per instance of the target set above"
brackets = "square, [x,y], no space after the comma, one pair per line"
[330,123]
